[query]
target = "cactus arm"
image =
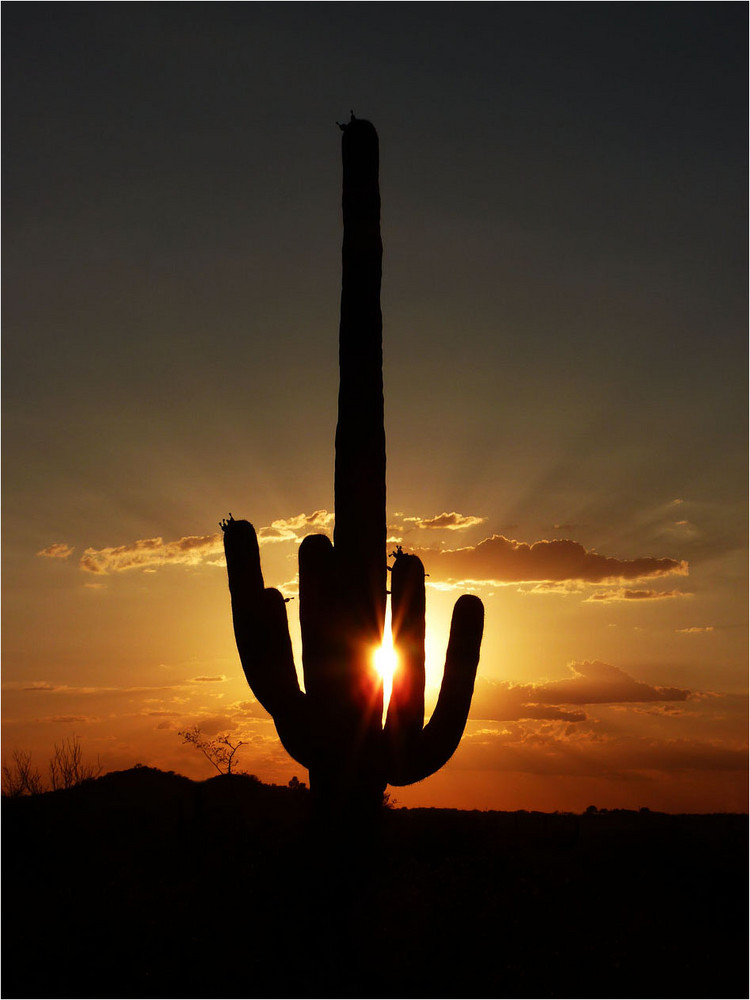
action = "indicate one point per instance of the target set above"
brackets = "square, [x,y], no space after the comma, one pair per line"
[262,634]
[406,708]
[320,615]
[442,734]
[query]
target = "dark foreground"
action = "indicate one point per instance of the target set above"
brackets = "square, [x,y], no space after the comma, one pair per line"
[145,884]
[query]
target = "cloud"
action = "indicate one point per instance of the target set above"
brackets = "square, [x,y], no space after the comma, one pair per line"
[660,709]
[288,529]
[501,702]
[249,709]
[622,594]
[47,687]
[149,552]
[695,628]
[554,587]
[59,550]
[592,683]
[67,719]
[289,589]
[445,521]
[213,725]
[551,750]
[498,560]
[217,679]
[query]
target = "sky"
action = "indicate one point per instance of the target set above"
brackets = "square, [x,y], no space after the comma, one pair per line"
[564,205]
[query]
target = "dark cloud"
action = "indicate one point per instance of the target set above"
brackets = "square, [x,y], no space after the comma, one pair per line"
[593,683]
[503,560]
[510,702]
[584,754]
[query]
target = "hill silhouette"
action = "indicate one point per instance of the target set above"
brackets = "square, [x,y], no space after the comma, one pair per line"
[145,883]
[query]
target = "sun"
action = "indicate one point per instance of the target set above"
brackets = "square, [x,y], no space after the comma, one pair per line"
[385,659]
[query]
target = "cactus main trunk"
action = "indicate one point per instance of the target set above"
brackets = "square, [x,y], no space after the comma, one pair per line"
[350,689]
[360,526]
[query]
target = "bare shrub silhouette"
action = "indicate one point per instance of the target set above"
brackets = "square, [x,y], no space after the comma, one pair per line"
[219,750]
[67,767]
[335,727]
[20,777]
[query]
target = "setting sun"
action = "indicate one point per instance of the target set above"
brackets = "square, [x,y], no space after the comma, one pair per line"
[386,659]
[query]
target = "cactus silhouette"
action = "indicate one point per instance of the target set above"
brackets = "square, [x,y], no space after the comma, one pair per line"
[334,728]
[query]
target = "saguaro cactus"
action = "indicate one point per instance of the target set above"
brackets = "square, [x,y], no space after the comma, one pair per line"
[335,727]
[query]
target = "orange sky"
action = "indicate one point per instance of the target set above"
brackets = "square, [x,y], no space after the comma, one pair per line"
[564,302]
[589,690]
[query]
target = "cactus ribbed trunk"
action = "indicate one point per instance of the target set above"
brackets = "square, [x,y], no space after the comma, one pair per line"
[360,527]
[353,704]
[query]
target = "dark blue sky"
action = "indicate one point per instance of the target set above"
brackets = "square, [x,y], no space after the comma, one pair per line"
[563,191]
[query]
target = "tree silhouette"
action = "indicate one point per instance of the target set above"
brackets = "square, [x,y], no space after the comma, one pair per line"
[220,751]
[335,727]
[20,777]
